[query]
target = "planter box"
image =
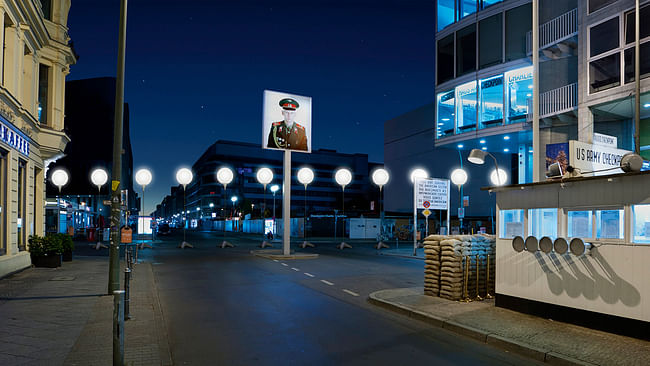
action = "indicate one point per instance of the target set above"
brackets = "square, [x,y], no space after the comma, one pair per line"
[67,256]
[47,261]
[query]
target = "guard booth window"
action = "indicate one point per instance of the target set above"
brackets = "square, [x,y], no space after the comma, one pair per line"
[511,223]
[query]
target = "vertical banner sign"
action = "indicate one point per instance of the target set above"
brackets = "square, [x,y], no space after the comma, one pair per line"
[432,194]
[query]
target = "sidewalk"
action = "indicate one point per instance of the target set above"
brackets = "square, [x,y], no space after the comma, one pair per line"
[541,339]
[62,317]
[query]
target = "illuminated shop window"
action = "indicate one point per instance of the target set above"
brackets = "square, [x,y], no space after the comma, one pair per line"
[609,224]
[466,7]
[486,3]
[641,228]
[445,13]
[491,113]
[445,120]
[519,89]
[511,223]
[466,107]
[542,222]
[579,224]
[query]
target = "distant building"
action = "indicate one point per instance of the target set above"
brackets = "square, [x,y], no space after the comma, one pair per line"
[35,58]
[323,195]
[90,109]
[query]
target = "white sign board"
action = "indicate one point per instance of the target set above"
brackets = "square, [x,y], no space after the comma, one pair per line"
[588,157]
[286,122]
[605,140]
[432,194]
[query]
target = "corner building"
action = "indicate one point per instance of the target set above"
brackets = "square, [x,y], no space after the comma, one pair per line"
[35,59]
[586,75]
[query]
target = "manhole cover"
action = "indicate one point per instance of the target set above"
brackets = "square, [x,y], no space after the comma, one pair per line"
[62,278]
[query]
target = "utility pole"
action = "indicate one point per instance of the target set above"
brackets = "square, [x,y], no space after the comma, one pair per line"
[114,252]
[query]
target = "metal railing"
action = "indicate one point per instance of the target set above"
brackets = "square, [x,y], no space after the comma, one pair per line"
[555,30]
[555,101]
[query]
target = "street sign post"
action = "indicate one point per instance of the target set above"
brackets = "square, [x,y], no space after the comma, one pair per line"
[426,214]
[431,194]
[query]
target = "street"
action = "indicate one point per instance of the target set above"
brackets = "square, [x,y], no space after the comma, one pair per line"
[229,307]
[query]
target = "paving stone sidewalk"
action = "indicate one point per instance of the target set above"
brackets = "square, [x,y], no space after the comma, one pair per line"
[62,317]
[542,339]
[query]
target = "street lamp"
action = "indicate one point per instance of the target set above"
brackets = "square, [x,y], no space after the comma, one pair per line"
[264,177]
[416,174]
[184,177]
[59,178]
[305,177]
[499,179]
[225,176]
[477,156]
[143,178]
[343,177]
[99,177]
[380,177]
[459,177]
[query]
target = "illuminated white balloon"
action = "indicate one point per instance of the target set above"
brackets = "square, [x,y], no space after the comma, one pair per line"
[264,176]
[459,177]
[501,179]
[143,177]
[305,176]
[343,177]
[184,176]
[225,175]
[380,177]
[99,177]
[419,174]
[59,178]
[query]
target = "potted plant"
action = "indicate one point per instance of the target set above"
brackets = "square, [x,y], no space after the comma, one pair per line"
[67,245]
[45,251]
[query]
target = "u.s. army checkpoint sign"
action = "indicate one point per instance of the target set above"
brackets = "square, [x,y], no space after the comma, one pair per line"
[434,192]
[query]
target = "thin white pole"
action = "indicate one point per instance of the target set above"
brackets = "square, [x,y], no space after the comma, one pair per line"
[286,204]
[536,147]
[415,216]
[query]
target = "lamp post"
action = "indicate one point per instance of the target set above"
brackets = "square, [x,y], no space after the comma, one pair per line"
[99,177]
[380,177]
[416,174]
[225,176]
[459,177]
[305,177]
[234,211]
[143,178]
[59,178]
[343,177]
[498,176]
[184,177]
[264,177]
[274,189]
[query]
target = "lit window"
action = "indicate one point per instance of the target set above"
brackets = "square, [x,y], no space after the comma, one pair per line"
[445,13]
[641,228]
[542,222]
[445,120]
[519,83]
[609,224]
[491,101]
[579,224]
[511,223]
[466,7]
[466,107]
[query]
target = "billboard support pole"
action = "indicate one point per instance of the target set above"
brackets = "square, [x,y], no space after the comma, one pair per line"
[286,204]
[448,206]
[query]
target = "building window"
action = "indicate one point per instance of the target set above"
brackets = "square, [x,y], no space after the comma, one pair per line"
[641,222]
[609,224]
[599,4]
[518,23]
[446,13]
[21,214]
[605,73]
[603,37]
[466,50]
[43,92]
[645,62]
[46,5]
[466,7]
[519,92]
[490,41]
[486,3]
[511,223]
[579,224]
[542,222]
[644,28]
[466,107]
[491,101]
[445,120]
[445,59]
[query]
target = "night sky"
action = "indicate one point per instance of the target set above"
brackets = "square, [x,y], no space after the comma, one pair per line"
[196,70]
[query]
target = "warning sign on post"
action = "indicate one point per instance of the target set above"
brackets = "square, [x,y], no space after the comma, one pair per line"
[432,194]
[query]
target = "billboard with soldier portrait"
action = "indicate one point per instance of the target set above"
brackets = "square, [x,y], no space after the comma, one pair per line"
[286,122]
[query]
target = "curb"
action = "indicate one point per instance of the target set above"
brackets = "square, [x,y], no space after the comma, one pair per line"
[495,340]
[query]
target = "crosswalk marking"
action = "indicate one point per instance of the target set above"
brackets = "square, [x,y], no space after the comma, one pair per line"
[327,282]
[284,264]
[350,292]
[309,274]
[295,269]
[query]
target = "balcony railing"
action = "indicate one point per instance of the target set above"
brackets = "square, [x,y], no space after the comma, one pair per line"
[556,101]
[555,30]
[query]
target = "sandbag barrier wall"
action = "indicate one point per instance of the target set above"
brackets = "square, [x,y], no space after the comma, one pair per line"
[444,264]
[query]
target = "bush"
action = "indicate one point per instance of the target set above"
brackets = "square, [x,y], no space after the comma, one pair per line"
[51,244]
[66,242]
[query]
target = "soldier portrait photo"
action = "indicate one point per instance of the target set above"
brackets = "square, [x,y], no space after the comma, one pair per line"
[290,133]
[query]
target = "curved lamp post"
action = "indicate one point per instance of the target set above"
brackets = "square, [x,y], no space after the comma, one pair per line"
[416,174]
[459,177]
[59,178]
[380,177]
[225,176]
[99,177]
[305,177]
[477,156]
[343,177]
[184,176]
[143,178]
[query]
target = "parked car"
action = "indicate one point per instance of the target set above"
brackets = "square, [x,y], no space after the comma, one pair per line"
[164,229]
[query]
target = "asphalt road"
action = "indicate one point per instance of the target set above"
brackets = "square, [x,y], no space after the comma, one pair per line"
[228,307]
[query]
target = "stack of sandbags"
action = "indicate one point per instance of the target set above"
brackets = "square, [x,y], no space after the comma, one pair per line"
[432,264]
[451,268]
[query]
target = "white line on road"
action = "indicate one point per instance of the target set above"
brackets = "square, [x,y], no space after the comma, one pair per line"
[284,264]
[327,282]
[309,274]
[275,260]
[350,292]
[295,269]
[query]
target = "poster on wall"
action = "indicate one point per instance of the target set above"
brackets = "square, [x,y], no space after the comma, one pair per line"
[558,153]
[286,123]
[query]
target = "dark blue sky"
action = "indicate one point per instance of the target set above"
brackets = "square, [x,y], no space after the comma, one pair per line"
[196,70]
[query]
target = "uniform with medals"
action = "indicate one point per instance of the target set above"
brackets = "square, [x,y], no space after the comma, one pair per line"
[282,136]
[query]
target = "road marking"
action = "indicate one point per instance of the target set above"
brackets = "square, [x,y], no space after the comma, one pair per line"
[309,274]
[327,282]
[295,269]
[284,264]
[275,260]
[350,292]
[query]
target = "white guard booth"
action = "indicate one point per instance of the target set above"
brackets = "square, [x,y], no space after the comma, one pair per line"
[580,243]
